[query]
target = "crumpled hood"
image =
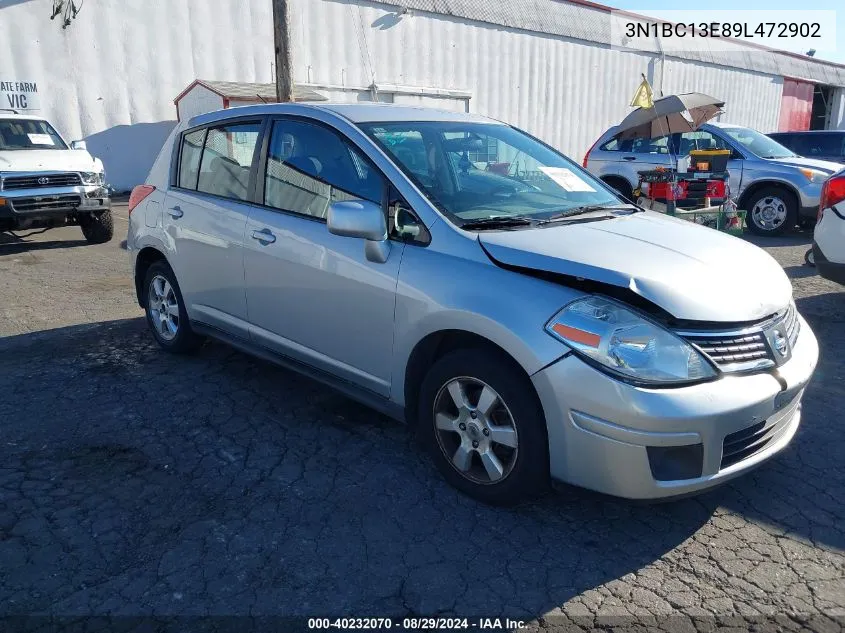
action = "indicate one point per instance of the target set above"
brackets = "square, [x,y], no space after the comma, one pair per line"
[812,163]
[49,160]
[692,272]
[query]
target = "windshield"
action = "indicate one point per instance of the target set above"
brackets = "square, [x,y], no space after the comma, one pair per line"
[28,134]
[474,171]
[758,144]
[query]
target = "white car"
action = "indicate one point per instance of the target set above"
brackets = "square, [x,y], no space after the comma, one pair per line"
[828,252]
[44,182]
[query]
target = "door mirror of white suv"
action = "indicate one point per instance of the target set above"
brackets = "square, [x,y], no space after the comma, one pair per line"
[363,219]
[78,145]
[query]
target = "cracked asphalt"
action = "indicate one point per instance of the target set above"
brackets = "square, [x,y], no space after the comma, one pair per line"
[135,483]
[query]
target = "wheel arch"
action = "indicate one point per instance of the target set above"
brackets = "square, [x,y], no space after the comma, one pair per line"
[145,258]
[762,184]
[609,179]
[434,346]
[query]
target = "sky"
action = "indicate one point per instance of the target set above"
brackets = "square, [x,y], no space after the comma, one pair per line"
[653,8]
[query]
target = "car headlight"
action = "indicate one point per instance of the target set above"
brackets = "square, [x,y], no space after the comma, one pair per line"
[92,177]
[628,345]
[814,175]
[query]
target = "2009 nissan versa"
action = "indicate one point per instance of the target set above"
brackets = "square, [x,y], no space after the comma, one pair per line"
[458,274]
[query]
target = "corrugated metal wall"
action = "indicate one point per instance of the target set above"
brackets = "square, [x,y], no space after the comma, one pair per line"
[113,74]
[565,91]
[751,99]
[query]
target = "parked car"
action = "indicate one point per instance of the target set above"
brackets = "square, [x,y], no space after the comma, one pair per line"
[775,186]
[527,326]
[45,183]
[828,252]
[820,144]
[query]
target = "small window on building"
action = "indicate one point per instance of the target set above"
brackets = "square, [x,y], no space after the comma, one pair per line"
[227,160]
[189,161]
[309,167]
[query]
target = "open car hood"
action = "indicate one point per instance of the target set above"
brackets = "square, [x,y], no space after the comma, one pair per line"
[690,271]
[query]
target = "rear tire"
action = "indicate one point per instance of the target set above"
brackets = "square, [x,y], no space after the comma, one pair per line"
[810,258]
[771,211]
[165,310]
[494,447]
[98,228]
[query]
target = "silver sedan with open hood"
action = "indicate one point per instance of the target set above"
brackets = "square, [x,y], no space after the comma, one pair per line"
[456,273]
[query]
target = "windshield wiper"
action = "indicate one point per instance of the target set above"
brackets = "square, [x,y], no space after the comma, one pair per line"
[588,208]
[504,221]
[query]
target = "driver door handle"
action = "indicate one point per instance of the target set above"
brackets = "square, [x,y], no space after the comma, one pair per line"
[175,212]
[629,158]
[265,236]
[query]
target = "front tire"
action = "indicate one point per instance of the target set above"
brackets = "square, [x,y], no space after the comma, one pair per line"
[165,309]
[98,228]
[480,419]
[771,211]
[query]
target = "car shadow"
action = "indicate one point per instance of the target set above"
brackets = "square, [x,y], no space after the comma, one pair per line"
[792,238]
[247,488]
[800,271]
[801,491]
[12,244]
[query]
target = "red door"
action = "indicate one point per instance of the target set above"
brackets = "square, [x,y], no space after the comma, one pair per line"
[796,106]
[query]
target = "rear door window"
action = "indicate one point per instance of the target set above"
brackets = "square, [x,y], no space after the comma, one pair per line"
[227,160]
[699,140]
[820,145]
[659,145]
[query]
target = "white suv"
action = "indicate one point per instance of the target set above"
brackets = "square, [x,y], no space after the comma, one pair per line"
[46,183]
[829,237]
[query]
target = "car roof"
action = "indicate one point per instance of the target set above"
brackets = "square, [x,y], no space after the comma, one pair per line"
[808,132]
[355,112]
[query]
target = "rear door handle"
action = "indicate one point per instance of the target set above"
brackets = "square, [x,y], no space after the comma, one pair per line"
[629,158]
[175,212]
[265,236]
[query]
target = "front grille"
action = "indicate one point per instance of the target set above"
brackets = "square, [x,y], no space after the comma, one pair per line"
[45,203]
[746,350]
[753,439]
[728,350]
[36,181]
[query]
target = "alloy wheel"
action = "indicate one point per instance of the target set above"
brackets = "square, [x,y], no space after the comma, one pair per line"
[164,308]
[769,213]
[475,430]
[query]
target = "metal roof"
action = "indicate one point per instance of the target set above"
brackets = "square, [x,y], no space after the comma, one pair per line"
[354,112]
[588,21]
[250,92]
[387,112]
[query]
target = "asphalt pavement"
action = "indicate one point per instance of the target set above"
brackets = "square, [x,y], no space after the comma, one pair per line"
[135,483]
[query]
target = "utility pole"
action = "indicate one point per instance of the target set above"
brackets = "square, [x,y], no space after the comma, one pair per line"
[284,64]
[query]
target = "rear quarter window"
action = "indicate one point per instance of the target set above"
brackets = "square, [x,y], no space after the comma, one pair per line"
[189,159]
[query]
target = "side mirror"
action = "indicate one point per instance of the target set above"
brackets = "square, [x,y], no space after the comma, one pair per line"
[362,219]
[78,145]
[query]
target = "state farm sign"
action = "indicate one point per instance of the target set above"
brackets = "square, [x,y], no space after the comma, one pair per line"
[19,95]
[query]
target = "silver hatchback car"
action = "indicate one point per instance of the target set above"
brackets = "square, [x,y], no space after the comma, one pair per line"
[462,276]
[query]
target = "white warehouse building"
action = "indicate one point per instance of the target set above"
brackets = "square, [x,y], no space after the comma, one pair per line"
[113,75]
